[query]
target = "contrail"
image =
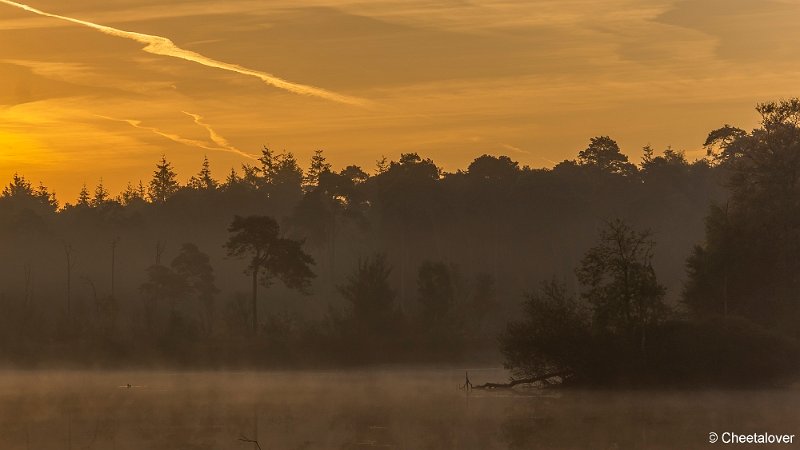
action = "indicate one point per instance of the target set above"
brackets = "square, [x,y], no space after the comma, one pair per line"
[216,137]
[515,149]
[159,45]
[170,136]
[177,138]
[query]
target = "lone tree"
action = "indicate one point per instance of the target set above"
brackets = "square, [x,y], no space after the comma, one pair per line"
[271,256]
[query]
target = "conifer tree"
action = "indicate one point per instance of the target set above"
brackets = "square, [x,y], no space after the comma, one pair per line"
[164,183]
[381,165]
[132,194]
[83,197]
[319,165]
[231,180]
[101,195]
[203,180]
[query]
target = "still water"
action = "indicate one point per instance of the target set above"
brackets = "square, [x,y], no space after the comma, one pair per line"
[393,409]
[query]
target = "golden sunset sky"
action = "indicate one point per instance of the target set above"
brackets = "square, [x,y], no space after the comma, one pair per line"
[107,87]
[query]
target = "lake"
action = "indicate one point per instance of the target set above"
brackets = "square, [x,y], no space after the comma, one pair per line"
[389,408]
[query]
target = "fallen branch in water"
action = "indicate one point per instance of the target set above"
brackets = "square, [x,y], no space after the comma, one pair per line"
[245,439]
[513,383]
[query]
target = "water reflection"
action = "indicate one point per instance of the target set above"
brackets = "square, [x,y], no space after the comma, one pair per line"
[356,410]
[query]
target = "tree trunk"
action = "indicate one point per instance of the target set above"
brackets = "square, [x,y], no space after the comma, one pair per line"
[113,263]
[255,301]
[68,252]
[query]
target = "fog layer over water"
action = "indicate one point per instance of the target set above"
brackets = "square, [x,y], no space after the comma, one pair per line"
[381,408]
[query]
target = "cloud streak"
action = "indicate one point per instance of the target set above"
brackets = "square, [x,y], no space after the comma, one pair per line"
[221,143]
[159,45]
[170,136]
[216,137]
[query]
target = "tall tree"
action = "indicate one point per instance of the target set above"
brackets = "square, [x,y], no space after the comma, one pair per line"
[318,166]
[271,256]
[232,180]
[618,279]
[381,165]
[21,192]
[46,197]
[164,183]
[19,186]
[203,180]
[132,194]
[83,197]
[269,163]
[604,154]
[748,264]
[101,195]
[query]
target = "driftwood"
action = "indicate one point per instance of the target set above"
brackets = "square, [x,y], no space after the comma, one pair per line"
[512,383]
[245,439]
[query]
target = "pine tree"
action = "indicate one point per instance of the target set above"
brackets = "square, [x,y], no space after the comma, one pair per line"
[132,194]
[164,183]
[250,176]
[231,180]
[203,180]
[381,166]
[141,191]
[83,197]
[100,195]
[269,161]
[18,186]
[286,171]
[45,196]
[21,188]
[319,165]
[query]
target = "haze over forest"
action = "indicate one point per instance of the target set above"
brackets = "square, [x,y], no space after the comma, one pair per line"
[485,235]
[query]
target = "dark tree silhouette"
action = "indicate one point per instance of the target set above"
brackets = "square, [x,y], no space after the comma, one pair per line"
[133,195]
[101,195]
[21,193]
[83,197]
[164,183]
[271,256]
[553,337]
[369,293]
[604,154]
[748,264]
[203,180]
[604,338]
[318,166]
[618,279]
[373,323]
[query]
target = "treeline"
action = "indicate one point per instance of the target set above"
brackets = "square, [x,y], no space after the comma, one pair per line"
[402,262]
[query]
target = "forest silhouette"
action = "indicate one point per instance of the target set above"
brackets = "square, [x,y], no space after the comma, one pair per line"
[602,270]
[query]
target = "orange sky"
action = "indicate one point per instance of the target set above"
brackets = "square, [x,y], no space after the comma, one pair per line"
[105,89]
